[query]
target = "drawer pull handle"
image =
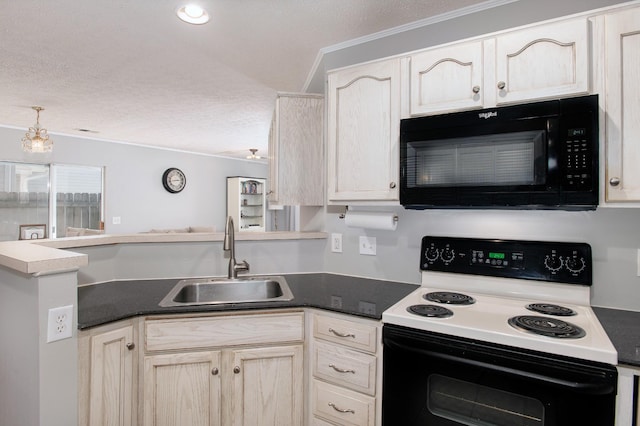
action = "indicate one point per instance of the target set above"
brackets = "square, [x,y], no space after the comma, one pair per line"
[236,369]
[131,346]
[337,333]
[340,410]
[342,370]
[215,371]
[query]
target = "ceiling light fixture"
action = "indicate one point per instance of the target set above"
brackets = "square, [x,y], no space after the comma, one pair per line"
[253,155]
[193,14]
[37,139]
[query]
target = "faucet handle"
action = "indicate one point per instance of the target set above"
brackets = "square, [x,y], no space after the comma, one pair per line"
[242,266]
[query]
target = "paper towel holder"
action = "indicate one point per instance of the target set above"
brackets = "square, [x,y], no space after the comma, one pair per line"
[343,215]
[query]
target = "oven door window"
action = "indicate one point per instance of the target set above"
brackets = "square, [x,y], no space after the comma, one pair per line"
[516,158]
[477,405]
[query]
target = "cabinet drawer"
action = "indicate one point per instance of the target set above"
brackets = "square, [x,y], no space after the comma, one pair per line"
[345,367]
[204,332]
[349,333]
[342,406]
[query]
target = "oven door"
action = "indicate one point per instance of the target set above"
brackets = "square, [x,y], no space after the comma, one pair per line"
[437,380]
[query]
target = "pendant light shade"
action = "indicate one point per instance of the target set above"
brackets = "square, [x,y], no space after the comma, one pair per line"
[37,139]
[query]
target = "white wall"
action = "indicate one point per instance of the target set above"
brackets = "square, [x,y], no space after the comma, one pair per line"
[133,188]
[613,233]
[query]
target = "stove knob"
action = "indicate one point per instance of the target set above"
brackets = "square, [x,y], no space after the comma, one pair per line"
[576,264]
[431,254]
[553,263]
[447,255]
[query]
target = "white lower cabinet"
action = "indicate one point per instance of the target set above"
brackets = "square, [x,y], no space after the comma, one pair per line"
[182,388]
[628,398]
[107,375]
[224,370]
[346,366]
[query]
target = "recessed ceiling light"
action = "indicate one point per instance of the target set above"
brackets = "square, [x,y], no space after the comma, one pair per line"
[193,14]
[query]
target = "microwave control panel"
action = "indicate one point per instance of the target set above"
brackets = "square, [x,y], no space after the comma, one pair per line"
[538,260]
[578,158]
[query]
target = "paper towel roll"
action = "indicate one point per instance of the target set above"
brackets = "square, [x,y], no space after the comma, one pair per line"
[371,220]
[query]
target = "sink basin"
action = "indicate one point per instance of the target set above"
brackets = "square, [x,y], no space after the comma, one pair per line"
[210,291]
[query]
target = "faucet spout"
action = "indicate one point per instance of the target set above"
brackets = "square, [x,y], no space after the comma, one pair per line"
[229,244]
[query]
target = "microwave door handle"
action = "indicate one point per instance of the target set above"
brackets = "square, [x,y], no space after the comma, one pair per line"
[589,388]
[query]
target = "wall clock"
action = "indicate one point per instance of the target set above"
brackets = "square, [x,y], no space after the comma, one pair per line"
[174,180]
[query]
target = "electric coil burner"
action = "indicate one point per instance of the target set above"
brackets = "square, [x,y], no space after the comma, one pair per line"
[505,354]
[551,309]
[546,326]
[449,297]
[432,311]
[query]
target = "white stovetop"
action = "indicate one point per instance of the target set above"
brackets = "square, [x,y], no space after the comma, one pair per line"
[487,319]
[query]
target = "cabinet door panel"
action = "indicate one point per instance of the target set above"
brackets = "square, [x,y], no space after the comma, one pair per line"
[296,151]
[544,61]
[623,106]
[364,123]
[181,389]
[111,383]
[447,79]
[267,386]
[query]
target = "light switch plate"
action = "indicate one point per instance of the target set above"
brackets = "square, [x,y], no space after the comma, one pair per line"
[367,245]
[336,243]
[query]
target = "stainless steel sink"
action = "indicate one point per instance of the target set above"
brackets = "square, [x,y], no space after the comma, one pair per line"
[210,291]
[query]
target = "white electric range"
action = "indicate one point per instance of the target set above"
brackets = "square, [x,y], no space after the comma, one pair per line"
[489,286]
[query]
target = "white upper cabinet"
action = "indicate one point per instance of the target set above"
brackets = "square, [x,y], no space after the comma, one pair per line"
[549,60]
[622,85]
[296,151]
[537,62]
[447,79]
[363,132]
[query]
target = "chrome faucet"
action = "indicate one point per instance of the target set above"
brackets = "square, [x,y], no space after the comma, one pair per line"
[229,244]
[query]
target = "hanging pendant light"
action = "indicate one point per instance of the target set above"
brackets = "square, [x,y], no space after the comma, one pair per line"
[37,138]
[253,155]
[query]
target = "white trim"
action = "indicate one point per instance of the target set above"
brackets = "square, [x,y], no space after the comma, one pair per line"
[489,4]
[140,145]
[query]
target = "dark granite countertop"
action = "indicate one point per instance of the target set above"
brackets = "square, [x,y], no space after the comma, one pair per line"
[111,301]
[623,329]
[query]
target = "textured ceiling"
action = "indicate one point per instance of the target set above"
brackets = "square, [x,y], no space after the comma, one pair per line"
[131,71]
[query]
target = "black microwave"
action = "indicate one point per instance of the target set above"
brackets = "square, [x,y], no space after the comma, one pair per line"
[541,155]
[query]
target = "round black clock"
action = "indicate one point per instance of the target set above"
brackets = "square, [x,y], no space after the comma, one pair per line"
[174,180]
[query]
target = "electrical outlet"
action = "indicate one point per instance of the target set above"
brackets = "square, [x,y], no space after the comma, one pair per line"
[336,243]
[116,220]
[368,245]
[60,323]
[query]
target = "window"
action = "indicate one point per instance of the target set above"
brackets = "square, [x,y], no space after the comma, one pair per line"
[64,199]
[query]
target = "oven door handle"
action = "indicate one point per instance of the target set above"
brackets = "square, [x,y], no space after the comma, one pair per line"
[587,388]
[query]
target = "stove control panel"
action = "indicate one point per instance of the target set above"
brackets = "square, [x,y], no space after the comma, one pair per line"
[538,260]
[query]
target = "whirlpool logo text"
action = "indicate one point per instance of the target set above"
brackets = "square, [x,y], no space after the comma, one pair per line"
[488,114]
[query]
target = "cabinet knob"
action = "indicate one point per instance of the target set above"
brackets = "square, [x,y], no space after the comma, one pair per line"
[614,181]
[236,369]
[502,85]
[392,185]
[341,410]
[215,371]
[476,89]
[131,346]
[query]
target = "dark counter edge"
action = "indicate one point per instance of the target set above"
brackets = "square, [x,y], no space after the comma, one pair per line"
[102,303]
[623,329]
